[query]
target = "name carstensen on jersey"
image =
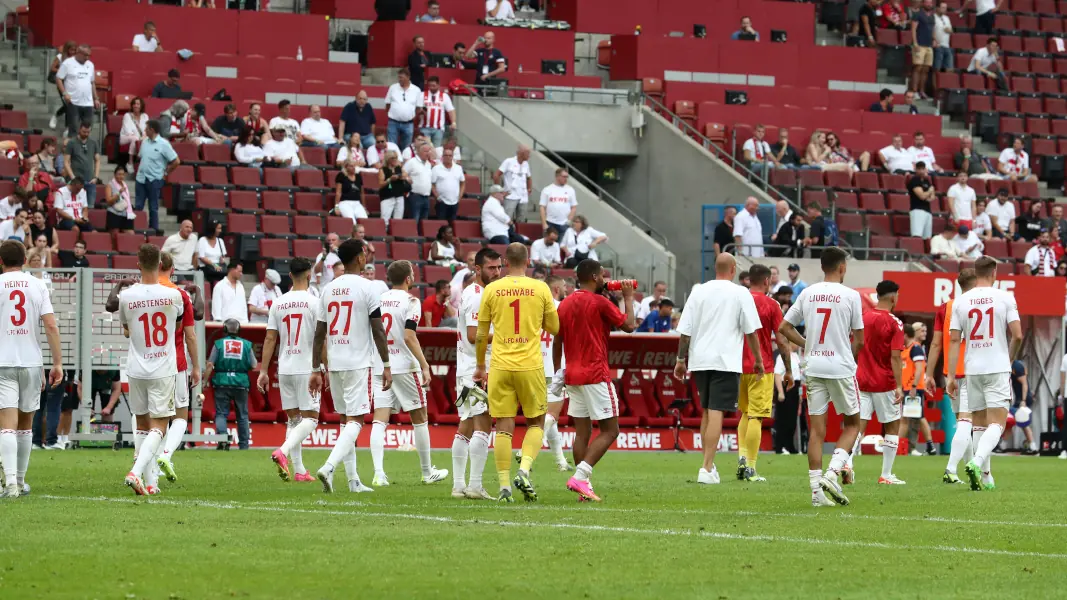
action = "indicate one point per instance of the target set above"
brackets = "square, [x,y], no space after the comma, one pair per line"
[151,302]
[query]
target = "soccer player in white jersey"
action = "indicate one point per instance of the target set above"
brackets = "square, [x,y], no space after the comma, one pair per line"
[149,314]
[291,329]
[834,317]
[411,375]
[472,436]
[555,403]
[981,317]
[350,329]
[24,301]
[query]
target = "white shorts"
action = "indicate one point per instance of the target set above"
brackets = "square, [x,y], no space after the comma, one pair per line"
[181,389]
[844,393]
[295,394]
[959,401]
[992,390]
[152,397]
[552,398]
[596,401]
[406,394]
[880,403]
[20,387]
[351,392]
[467,410]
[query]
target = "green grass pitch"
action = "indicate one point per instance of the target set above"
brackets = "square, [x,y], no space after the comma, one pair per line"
[230,528]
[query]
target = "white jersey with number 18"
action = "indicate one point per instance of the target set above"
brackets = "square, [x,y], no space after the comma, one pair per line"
[830,311]
[347,303]
[24,300]
[294,317]
[398,309]
[982,316]
[150,313]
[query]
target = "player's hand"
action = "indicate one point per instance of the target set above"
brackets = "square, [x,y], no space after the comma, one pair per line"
[898,396]
[106,411]
[194,377]
[930,385]
[427,377]
[759,370]
[480,376]
[387,379]
[950,387]
[787,379]
[315,383]
[55,377]
[680,371]
[263,382]
[627,288]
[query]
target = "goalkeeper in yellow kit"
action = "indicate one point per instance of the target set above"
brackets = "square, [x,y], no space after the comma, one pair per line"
[519,308]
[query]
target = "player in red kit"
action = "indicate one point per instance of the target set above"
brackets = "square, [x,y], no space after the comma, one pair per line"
[879,378]
[586,317]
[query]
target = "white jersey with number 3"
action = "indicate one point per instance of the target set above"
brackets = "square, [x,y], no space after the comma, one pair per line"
[398,308]
[982,316]
[294,317]
[24,300]
[830,312]
[347,303]
[150,313]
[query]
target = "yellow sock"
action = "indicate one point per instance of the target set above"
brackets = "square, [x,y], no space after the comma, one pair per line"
[753,433]
[502,455]
[742,438]
[531,445]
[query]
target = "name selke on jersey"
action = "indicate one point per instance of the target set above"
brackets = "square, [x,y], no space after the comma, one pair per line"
[398,309]
[150,313]
[982,316]
[830,311]
[294,316]
[24,299]
[469,304]
[546,350]
[518,308]
[346,305]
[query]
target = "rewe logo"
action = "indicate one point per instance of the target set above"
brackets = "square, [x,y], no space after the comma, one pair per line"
[396,438]
[322,437]
[639,441]
[566,439]
[727,442]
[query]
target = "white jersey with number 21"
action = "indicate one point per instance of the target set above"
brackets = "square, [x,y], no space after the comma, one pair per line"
[150,312]
[982,316]
[830,311]
[23,301]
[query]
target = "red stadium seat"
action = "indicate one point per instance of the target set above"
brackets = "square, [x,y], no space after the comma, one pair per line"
[218,154]
[97,242]
[245,201]
[308,202]
[281,179]
[246,177]
[406,251]
[309,226]
[307,248]
[274,248]
[210,199]
[403,228]
[308,178]
[128,243]
[342,226]
[276,226]
[468,230]
[276,202]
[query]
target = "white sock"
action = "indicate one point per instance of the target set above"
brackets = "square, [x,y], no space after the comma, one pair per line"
[377,445]
[460,447]
[9,454]
[24,439]
[555,440]
[349,461]
[583,471]
[837,462]
[889,453]
[294,442]
[989,441]
[138,440]
[976,436]
[175,433]
[147,452]
[63,439]
[814,475]
[961,445]
[479,451]
[345,445]
[855,451]
[422,446]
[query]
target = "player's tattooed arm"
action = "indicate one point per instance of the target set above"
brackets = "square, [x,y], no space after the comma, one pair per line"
[380,342]
[112,304]
[683,357]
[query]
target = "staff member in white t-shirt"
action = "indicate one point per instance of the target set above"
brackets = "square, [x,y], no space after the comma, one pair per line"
[419,168]
[263,296]
[546,251]
[719,319]
[987,62]
[748,231]
[76,82]
[449,185]
[403,103]
[514,175]
[986,14]
[963,200]
[895,158]
[581,240]
[1014,163]
[559,203]
[147,41]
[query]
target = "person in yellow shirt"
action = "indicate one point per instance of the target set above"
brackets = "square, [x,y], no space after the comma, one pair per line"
[518,308]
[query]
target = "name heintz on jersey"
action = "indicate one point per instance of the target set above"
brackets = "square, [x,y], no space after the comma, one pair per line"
[16,284]
[150,303]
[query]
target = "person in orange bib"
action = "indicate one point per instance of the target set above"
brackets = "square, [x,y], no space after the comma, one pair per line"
[913,377]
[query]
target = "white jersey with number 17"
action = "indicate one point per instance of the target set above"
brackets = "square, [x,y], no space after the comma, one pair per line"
[24,300]
[294,317]
[830,311]
[398,309]
[347,303]
[150,313]
[982,316]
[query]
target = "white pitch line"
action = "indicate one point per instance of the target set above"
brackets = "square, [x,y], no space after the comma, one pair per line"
[568,526]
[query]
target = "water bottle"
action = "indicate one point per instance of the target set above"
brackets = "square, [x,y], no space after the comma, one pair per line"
[616,284]
[300,53]
[520,67]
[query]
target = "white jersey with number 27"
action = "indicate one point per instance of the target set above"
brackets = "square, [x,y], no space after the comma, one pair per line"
[398,307]
[347,303]
[982,316]
[24,300]
[294,317]
[151,312]
[830,312]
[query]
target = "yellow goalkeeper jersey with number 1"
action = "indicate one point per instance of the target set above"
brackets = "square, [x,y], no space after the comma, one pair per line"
[519,308]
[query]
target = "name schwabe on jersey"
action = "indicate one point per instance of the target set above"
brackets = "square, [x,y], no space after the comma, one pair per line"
[982,316]
[398,308]
[293,316]
[830,312]
[150,314]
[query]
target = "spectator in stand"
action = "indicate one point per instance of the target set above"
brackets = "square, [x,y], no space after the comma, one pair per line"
[170,87]
[317,131]
[120,215]
[724,231]
[1014,162]
[72,212]
[514,175]
[68,50]
[1057,245]
[377,286]
[981,226]
[263,295]
[920,152]
[758,152]
[968,245]
[459,59]
[1056,222]
[443,248]
[922,46]
[909,101]
[868,22]
[409,152]
[963,200]
[248,152]
[1041,260]
[286,122]
[35,186]
[745,30]
[10,205]
[817,233]
[173,122]
[211,252]
[499,9]
[158,159]
[326,260]
[748,230]
[659,319]
[795,284]
[539,273]
[496,223]
[922,193]
[283,152]
[546,251]
[76,82]
[490,60]
[133,124]
[1002,215]
[50,160]
[228,298]
[228,125]
[985,14]
[255,122]
[419,169]
[895,158]
[791,235]
[449,185]
[351,152]
[40,247]
[403,102]
[418,62]
[433,14]
[394,183]
[17,228]
[818,154]
[784,154]
[943,57]
[894,16]
[437,106]
[81,158]
[839,155]
[580,241]
[782,212]
[39,227]
[971,161]
[1030,224]
[659,291]
[78,261]
[885,102]
[559,203]
[358,120]
[349,196]
[437,311]
[147,41]
[744,280]
[198,129]
[944,246]
[987,62]
[457,283]
[182,247]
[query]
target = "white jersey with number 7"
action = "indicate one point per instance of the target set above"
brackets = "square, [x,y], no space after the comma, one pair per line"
[347,303]
[982,316]
[831,311]
[294,317]
[150,313]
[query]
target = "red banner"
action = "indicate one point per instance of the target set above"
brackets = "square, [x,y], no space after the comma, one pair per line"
[924,292]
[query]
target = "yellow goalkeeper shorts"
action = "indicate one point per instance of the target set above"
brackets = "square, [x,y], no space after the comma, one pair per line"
[755,397]
[508,390]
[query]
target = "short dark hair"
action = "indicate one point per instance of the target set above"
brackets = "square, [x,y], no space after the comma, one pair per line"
[433,3]
[174,73]
[666,302]
[920,165]
[485,254]
[440,285]
[459,45]
[85,125]
[398,272]
[152,124]
[79,243]
[75,181]
[12,253]
[887,287]
[433,79]
[992,39]
[283,104]
[350,250]
[404,70]
[166,261]
[148,257]
[46,142]
[234,264]
[885,93]
[587,270]
[229,107]
[757,274]
[832,258]
[909,331]
[743,275]
[985,267]
[549,230]
[298,266]
[148,24]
